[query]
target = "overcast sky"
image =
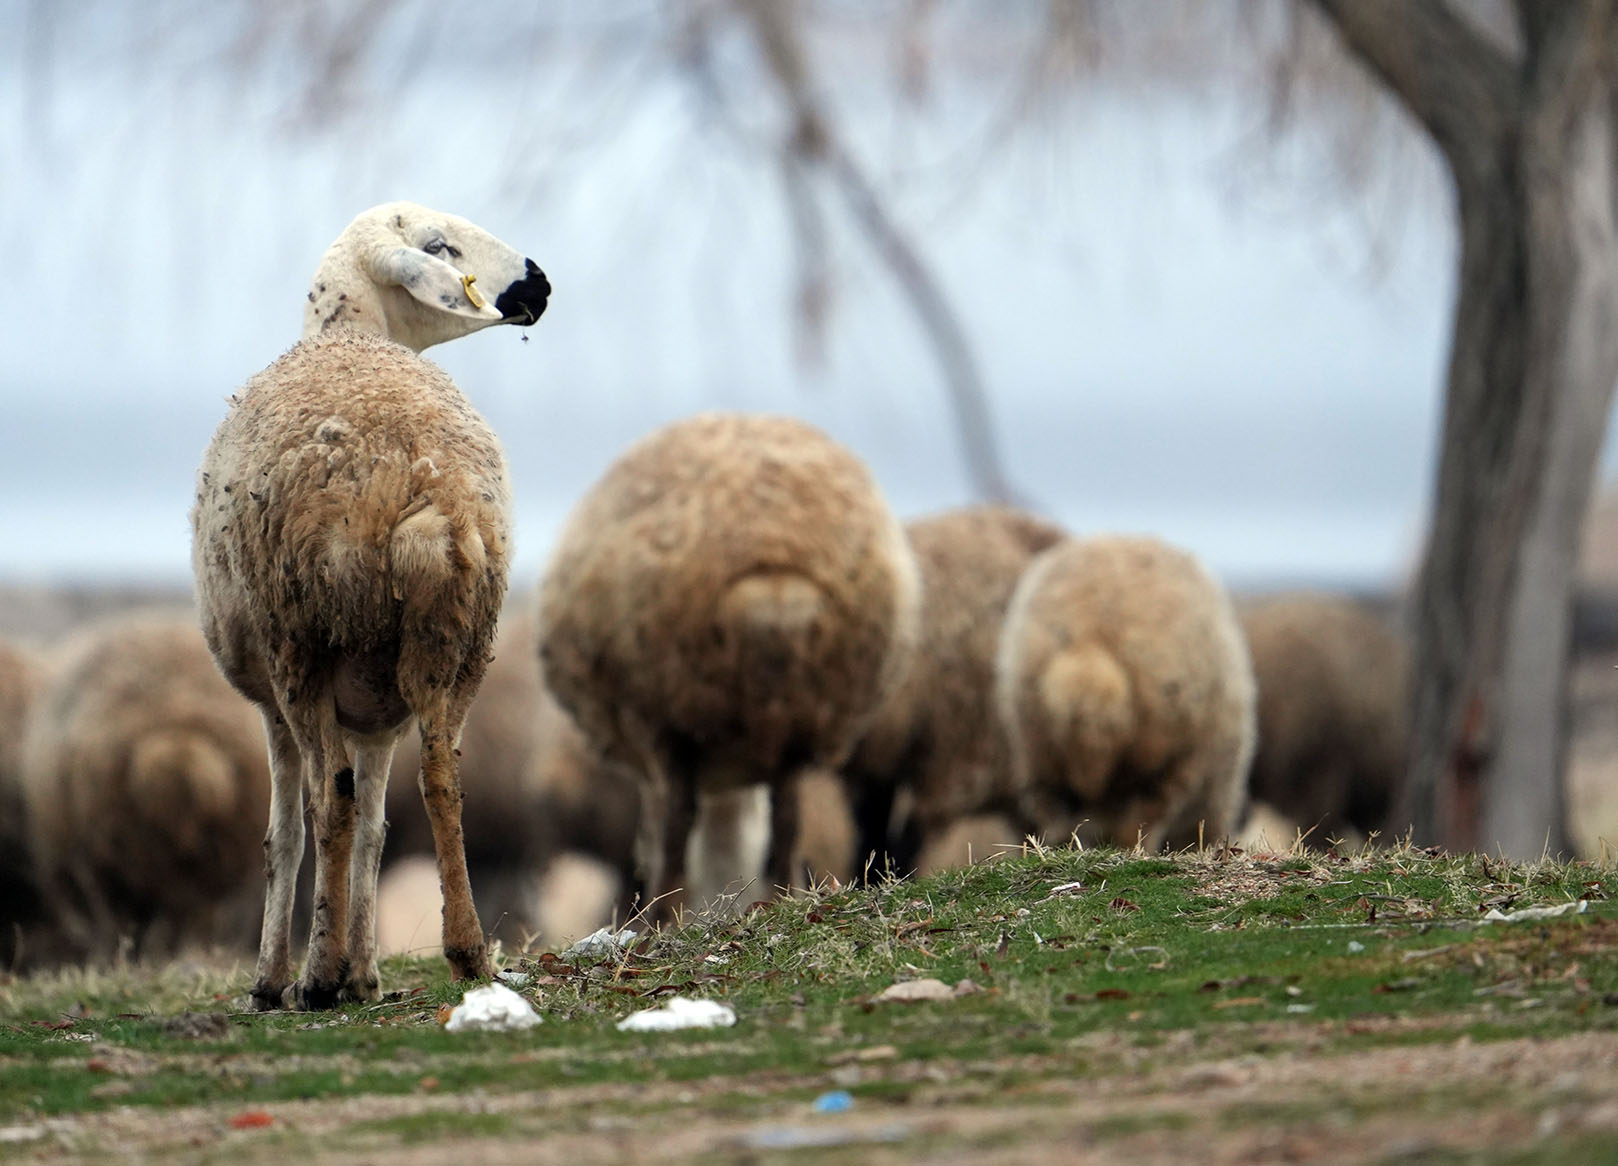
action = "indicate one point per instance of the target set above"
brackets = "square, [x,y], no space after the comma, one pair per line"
[1181,333]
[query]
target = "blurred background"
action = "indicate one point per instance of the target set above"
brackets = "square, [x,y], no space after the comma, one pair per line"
[1197,272]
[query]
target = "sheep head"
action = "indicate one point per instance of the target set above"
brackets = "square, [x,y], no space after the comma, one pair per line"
[421,277]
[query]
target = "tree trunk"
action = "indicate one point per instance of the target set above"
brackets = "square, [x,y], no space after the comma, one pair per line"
[1531,375]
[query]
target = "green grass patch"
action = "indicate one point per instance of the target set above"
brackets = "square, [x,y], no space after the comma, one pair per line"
[1077,960]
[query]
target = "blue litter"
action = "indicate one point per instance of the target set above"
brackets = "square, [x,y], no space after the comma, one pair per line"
[837,1101]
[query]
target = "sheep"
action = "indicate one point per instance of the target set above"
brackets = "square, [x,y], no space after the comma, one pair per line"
[1128,694]
[938,739]
[1333,735]
[726,607]
[144,773]
[22,677]
[350,543]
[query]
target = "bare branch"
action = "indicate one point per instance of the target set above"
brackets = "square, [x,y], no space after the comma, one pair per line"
[813,142]
[1450,76]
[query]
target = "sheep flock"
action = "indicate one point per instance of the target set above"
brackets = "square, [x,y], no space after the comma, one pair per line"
[740,672]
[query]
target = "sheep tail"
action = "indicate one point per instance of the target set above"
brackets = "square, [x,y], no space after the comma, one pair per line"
[426,552]
[773,602]
[1089,706]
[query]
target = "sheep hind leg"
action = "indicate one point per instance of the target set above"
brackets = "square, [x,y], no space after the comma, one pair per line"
[372,763]
[782,866]
[283,851]
[440,783]
[329,778]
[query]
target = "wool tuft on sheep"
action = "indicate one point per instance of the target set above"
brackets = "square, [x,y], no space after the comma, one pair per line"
[1333,730]
[145,782]
[350,542]
[727,607]
[1128,693]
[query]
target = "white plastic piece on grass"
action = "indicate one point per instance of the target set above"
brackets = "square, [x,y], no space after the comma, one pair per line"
[515,979]
[910,991]
[1355,947]
[495,1008]
[1495,915]
[680,1012]
[602,944]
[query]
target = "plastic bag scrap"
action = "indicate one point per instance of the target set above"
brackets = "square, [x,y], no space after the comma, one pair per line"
[602,944]
[1495,915]
[495,1008]
[680,1012]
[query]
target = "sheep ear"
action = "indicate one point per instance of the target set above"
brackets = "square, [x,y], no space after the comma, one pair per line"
[433,282]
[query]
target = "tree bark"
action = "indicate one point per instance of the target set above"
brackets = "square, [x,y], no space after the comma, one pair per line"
[1533,363]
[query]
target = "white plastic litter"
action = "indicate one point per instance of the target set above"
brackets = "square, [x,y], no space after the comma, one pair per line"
[1495,915]
[515,979]
[601,944]
[1355,947]
[680,1012]
[495,1008]
[910,991]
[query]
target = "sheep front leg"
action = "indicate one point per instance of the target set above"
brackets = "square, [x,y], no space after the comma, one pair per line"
[441,791]
[372,763]
[283,851]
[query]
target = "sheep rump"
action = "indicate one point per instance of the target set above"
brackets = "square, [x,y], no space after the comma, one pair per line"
[1333,732]
[1128,694]
[726,607]
[939,739]
[144,800]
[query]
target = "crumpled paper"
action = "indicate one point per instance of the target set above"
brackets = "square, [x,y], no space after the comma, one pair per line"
[1495,915]
[495,1008]
[602,944]
[680,1012]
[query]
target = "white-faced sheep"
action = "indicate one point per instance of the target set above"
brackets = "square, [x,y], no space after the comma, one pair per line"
[22,677]
[1333,732]
[350,550]
[726,607]
[938,737]
[1128,693]
[145,781]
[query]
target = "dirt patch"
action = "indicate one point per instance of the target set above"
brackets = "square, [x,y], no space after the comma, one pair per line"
[1457,1096]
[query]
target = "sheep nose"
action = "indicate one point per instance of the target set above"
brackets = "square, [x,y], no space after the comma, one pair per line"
[526,298]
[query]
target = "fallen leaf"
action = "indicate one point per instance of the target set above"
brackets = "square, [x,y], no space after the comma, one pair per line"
[1123,904]
[1239,1002]
[1113,994]
[252,1119]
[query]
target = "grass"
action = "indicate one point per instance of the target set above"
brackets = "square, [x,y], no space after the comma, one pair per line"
[1082,964]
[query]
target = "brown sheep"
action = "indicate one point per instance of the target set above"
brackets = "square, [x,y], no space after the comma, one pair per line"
[1333,735]
[145,778]
[350,545]
[22,909]
[938,737]
[1128,693]
[726,607]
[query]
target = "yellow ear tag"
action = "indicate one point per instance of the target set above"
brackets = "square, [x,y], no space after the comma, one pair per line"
[471,292]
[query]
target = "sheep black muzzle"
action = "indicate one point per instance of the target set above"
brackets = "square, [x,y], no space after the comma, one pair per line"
[524,301]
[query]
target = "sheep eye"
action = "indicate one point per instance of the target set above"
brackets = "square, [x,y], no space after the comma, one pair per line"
[439,247]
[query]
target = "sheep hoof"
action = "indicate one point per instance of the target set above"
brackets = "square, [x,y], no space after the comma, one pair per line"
[267,998]
[469,963]
[361,989]
[313,996]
